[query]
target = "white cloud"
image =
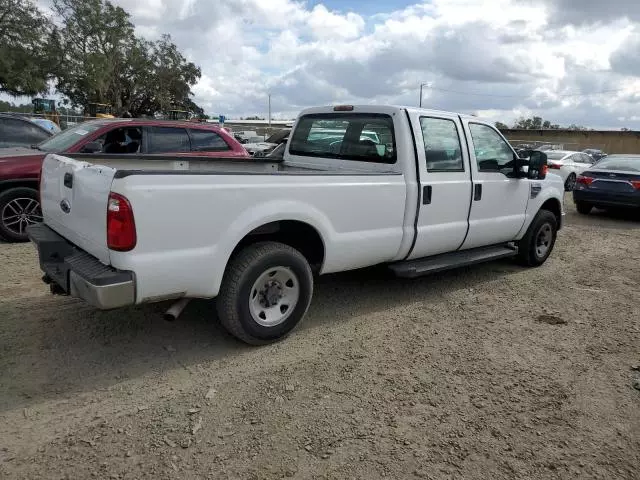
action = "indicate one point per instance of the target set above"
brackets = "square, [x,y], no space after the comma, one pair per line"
[505,58]
[328,25]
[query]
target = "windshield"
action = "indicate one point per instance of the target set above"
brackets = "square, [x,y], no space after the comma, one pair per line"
[628,164]
[67,138]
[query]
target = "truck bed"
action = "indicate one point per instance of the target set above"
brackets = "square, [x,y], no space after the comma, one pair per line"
[128,165]
[190,216]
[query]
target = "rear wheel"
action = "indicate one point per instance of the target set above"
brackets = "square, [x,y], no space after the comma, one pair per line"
[584,208]
[570,183]
[537,244]
[265,292]
[19,208]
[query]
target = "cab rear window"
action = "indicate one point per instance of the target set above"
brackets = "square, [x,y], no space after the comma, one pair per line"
[360,137]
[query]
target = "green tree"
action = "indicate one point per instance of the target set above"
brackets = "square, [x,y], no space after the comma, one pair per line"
[159,78]
[501,126]
[92,48]
[12,107]
[100,59]
[24,56]
[535,123]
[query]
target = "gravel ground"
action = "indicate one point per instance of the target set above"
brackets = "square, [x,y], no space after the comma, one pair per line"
[488,372]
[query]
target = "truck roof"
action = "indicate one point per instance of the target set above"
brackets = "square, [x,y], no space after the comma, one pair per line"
[389,109]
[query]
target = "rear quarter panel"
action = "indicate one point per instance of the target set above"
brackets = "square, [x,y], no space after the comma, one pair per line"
[21,168]
[188,225]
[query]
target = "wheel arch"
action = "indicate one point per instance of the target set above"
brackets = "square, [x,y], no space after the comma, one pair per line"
[18,183]
[554,206]
[298,234]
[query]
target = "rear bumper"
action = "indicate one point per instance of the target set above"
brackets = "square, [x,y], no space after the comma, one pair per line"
[79,274]
[631,200]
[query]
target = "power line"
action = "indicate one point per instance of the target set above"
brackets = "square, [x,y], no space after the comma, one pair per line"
[564,95]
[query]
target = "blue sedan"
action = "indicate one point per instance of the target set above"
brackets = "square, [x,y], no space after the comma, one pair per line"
[613,182]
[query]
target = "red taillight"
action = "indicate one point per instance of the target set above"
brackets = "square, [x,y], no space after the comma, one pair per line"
[554,166]
[121,227]
[636,184]
[584,180]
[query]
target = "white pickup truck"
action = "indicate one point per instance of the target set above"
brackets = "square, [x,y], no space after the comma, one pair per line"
[433,191]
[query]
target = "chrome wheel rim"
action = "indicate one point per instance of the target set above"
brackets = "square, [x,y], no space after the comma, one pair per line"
[274,296]
[19,213]
[543,240]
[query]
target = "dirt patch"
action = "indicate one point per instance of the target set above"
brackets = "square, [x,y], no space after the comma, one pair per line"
[450,376]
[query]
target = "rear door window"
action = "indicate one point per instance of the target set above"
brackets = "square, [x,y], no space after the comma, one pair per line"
[442,149]
[168,140]
[361,137]
[207,141]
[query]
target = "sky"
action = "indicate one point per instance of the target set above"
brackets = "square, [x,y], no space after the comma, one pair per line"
[499,59]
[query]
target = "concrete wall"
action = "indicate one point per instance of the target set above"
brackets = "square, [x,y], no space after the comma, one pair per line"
[610,141]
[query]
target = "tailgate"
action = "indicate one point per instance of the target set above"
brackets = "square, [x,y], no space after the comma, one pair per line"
[74,196]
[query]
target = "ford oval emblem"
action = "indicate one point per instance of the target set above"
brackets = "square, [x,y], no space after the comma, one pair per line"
[65,206]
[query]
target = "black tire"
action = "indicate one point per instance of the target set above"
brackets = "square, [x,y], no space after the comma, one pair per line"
[584,208]
[570,183]
[529,253]
[244,269]
[9,230]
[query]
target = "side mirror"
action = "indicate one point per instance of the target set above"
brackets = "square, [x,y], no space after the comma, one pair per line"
[537,165]
[92,147]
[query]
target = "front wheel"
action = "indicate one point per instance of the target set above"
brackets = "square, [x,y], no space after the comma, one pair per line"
[19,208]
[537,244]
[265,292]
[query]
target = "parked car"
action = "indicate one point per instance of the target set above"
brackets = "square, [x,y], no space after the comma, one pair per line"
[46,124]
[251,233]
[20,167]
[263,148]
[614,182]
[595,153]
[18,131]
[568,165]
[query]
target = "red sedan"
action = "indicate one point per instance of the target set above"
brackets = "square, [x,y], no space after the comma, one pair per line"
[20,167]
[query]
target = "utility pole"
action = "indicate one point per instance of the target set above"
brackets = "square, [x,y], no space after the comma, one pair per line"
[422,85]
[269,118]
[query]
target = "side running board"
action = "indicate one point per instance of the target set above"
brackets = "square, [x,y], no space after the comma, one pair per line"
[447,261]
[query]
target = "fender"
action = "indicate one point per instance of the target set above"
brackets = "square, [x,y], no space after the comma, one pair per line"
[257,216]
[548,190]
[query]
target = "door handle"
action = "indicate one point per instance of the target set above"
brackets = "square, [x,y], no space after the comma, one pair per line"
[477,191]
[426,194]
